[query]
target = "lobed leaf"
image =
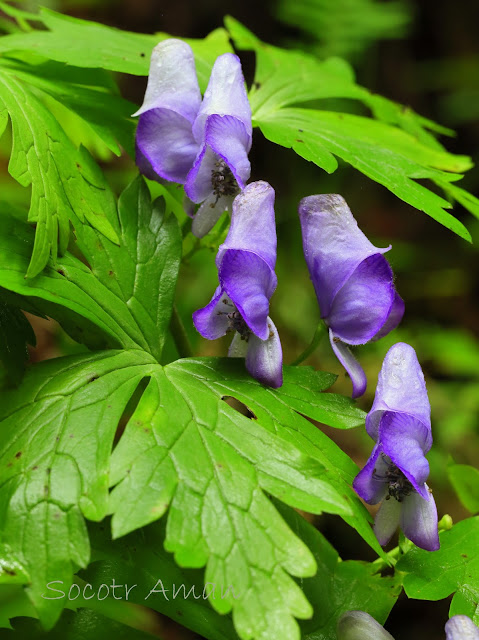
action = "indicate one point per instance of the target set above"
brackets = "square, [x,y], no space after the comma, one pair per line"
[124,291]
[183,445]
[83,43]
[396,151]
[454,569]
[66,183]
[340,586]
[383,153]
[465,480]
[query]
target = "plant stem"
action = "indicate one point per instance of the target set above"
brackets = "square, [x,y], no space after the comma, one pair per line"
[318,334]
[179,334]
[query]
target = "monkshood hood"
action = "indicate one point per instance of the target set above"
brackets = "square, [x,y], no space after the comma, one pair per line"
[247,280]
[353,281]
[396,472]
[201,143]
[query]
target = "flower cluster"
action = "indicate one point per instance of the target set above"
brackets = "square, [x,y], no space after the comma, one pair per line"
[359,625]
[240,304]
[203,143]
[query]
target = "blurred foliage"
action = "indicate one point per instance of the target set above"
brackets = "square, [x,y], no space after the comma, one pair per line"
[345,28]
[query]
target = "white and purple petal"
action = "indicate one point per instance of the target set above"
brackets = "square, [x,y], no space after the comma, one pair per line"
[172,81]
[403,439]
[165,146]
[371,482]
[249,282]
[253,225]
[419,520]
[212,321]
[226,141]
[209,213]
[333,244]
[362,305]
[461,628]
[387,519]
[349,362]
[401,387]
[264,358]
[359,625]
[225,95]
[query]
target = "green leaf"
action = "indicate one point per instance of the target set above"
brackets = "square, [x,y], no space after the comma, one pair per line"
[345,28]
[139,562]
[11,569]
[452,569]
[383,153]
[15,333]
[86,624]
[339,586]
[276,410]
[56,436]
[466,199]
[465,480]
[65,182]
[91,95]
[183,449]
[125,291]
[395,150]
[13,603]
[83,43]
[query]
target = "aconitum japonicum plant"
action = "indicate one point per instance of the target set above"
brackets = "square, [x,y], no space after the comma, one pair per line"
[202,144]
[396,472]
[359,625]
[353,281]
[245,263]
[183,475]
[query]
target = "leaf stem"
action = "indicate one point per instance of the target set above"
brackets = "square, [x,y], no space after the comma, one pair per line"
[179,334]
[318,335]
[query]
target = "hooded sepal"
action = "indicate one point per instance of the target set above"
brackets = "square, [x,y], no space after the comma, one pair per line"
[401,387]
[461,628]
[359,625]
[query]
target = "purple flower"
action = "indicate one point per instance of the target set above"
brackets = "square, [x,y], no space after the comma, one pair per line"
[461,628]
[353,281]
[359,625]
[396,472]
[202,144]
[245,263]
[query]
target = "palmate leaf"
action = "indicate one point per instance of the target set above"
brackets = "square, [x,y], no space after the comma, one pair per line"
[183,448]
[123,297]
[92,95]
[66,182]
[83,43]
[454,569]
[140,563]
[394,152]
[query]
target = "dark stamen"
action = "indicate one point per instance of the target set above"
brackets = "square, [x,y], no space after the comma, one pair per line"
[399,486]
[236,323]
[223,181]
